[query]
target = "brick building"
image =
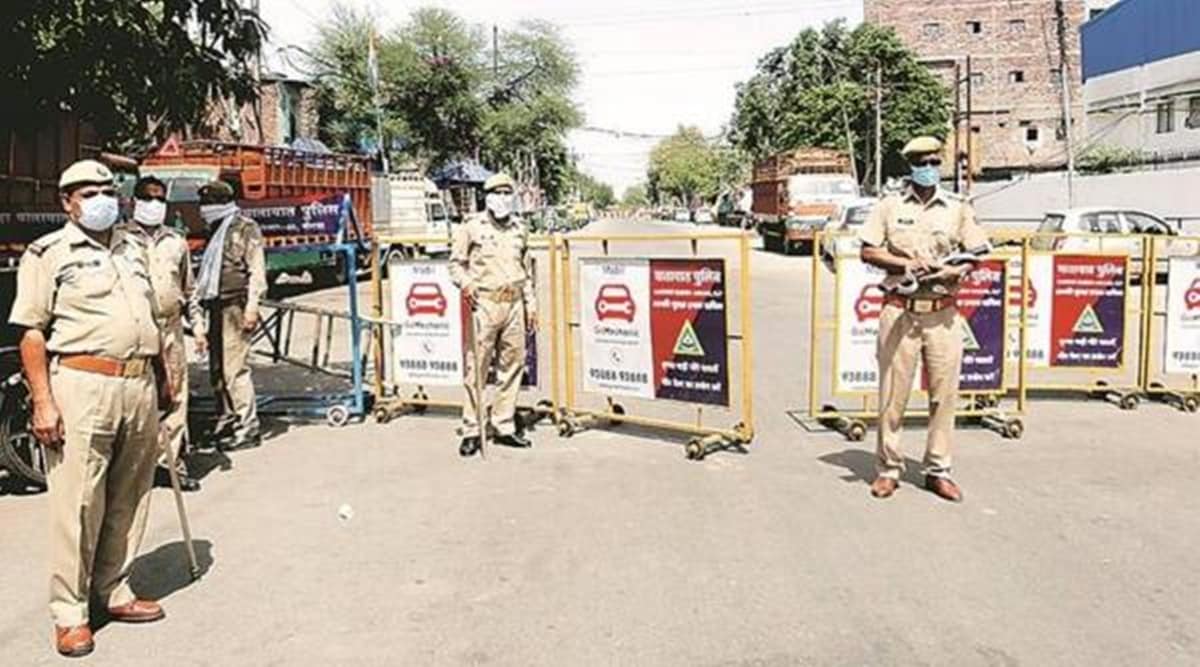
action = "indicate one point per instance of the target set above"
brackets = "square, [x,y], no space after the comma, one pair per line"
[288,111]
[1016,118]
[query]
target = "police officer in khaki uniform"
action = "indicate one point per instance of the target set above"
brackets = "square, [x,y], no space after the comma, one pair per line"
[927,240]
[489,262]
[85,301]
[230,285]
[171,275]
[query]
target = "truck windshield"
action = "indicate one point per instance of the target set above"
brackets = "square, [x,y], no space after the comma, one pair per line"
[1051,223]
[184,189]
[808,186]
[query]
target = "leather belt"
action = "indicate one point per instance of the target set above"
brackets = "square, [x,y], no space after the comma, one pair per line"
[130,368]
[506,294]
[920,305]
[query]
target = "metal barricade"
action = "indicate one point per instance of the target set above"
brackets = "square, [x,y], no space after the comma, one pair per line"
[1171,352]
[408,380]
[656,332]
[843,332]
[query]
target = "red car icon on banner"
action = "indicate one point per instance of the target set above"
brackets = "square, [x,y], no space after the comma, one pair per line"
[614,302]
[869,303]
[1014,296]
[1192,297]
[426,299]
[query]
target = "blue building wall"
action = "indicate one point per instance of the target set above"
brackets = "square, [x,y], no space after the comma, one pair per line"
[1136,32]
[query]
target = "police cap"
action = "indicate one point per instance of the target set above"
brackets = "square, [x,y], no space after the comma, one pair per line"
[85,172]
[216,192]
[921,146]
[498,181]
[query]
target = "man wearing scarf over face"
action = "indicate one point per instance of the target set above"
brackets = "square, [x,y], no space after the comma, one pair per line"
[232,280]
[171,276]
[489,262]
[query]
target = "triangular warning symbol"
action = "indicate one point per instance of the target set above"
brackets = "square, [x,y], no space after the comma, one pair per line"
[970,342]
[688,344]
[1088,322]
[170,147]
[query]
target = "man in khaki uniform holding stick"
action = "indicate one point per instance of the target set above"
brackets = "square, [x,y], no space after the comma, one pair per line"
[231,282]
[171,275]
[489,262]
[89,351]
[927,240]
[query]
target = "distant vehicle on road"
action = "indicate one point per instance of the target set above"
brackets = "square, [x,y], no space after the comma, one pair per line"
[841,235]
[1076,230]
[797,193]
[615,302]
[733,209]
[703,216]
[681,215]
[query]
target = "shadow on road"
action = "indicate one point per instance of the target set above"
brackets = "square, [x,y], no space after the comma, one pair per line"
[161,573]
[860,464]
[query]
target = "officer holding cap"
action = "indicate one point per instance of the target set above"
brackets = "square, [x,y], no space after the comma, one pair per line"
[489,262]
[171,275]
[910,235]
[89,346]
[231,282]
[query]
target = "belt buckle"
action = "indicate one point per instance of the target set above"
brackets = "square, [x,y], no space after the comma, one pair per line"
[134,368]
[922,306]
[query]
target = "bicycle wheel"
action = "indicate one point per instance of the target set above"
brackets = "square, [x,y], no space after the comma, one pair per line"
[20,453]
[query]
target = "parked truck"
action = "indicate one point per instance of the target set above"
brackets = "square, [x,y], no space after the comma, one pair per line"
[415,209]
[797,193]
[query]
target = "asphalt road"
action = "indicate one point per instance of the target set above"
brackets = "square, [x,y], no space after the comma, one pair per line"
[1076,545]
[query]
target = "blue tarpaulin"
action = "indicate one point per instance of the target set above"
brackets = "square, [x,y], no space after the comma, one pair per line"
[460,173]
[1133,33]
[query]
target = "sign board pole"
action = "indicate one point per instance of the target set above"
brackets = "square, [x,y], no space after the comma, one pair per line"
[747,337]
[554,305]
[814,284]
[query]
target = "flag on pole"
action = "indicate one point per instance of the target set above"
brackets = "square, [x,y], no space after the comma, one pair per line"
[373,66]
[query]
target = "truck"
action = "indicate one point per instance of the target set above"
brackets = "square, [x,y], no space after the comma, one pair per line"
[796,193]
[295,196]
[415,209]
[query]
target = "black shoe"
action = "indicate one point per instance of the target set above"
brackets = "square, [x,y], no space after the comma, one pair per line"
[514,440]
[469,446]
[162,480]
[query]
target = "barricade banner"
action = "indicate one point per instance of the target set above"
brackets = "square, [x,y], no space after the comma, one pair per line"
[1038,311]
[1088,313]
[655,328]
[1182,350]
[982,306]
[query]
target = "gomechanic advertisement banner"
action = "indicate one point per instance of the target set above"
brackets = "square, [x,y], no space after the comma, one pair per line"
[1183,316]
[1088,324]
[427,344]
[859,304]
[655,329]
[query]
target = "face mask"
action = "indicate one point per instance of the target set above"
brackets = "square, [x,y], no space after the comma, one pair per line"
[217,212]
[926,176]
[98,213]
[499,205]
[150,213]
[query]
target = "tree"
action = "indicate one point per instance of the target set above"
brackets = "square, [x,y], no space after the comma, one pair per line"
[131,68]
[599,194]
[821,87]
[685,166]
[635,196]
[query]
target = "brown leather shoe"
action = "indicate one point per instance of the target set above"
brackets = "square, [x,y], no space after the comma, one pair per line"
[884,487]
[138,611]
[944,488]
[74,642]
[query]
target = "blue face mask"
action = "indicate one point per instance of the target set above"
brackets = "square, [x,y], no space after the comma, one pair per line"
[926,176]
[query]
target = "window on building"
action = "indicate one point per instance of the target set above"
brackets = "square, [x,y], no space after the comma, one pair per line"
[975,27]
[1016,26]
[1166,117]
[1056,77]
[977,79]
[1193,117]
[1033,134]
[1016,76]
[932,29]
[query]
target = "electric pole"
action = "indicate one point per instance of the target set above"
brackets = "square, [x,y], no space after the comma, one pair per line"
[878,130]
[1064,80]
[957,127]
[496,52]
[970,127]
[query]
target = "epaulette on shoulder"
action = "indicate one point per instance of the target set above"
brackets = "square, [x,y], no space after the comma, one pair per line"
[44,243]
[954,196]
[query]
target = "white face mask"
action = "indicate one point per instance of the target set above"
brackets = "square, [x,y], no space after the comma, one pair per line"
[217,212]
[98,213]
[150,213]
[500,205]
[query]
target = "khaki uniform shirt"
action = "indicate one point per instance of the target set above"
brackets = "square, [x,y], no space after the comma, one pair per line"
[491,256]
[88,298]
[244,269]
[908,227]
[170,273]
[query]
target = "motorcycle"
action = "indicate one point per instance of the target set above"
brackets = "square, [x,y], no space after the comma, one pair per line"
[20,453]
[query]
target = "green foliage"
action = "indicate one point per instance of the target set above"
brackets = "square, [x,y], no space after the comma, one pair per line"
[130,67]
[685,166]
[1107,159]
[635,196]
[594,192]
[812,91]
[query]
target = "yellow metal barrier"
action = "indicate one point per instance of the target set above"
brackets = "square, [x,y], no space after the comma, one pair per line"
[574,416]
[1171,354]
[850,411]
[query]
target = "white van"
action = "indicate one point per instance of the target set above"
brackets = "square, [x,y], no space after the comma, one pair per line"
[416,210]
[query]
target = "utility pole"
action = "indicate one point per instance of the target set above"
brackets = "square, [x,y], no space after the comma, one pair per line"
[970,127]
[878,130]
[1064,80]
[496,52]
[957,126]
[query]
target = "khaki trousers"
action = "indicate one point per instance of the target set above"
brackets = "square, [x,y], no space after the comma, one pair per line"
[501,328]
[173,431]
[229,370]
[905,337]
[98,487]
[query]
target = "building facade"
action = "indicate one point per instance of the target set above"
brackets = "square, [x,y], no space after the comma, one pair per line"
[286,111]
[1012,49]
[1141,65]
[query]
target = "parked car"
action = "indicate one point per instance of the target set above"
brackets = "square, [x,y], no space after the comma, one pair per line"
[702,216]
[681,215]
[1076,230]
[733,209]
[841,235]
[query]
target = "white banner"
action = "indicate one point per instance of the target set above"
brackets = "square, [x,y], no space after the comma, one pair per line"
[859,303]
[427,346]
[618,354]
[1039,312]
[1183,316]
